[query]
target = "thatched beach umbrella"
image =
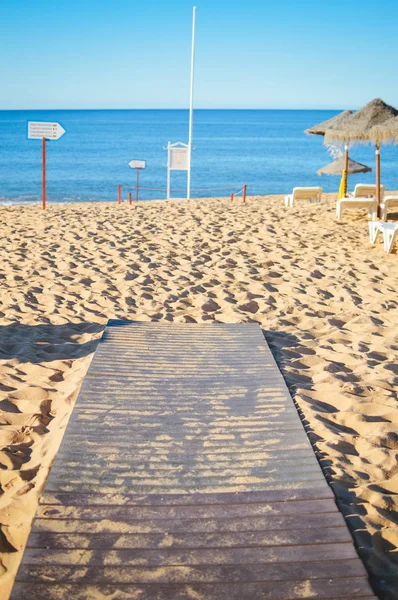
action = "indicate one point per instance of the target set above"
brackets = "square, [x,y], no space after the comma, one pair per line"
[358,126]
[336,122]
[385,133]
[338,166]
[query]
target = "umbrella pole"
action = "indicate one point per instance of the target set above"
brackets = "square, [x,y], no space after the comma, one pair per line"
[346,169]
[378,179]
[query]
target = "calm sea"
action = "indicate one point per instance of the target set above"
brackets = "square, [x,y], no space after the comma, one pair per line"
[266,149]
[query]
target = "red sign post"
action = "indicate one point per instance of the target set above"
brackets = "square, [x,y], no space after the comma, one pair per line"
[44,131]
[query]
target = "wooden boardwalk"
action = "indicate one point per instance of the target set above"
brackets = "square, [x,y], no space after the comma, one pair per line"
[185,473]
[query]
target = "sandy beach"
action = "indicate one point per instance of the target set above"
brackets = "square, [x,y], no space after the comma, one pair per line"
[325,299]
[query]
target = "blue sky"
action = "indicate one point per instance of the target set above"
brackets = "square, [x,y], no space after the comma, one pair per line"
[249,54]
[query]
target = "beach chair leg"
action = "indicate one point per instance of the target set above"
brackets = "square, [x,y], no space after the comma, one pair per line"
[393,238]
[389,238]
[338,210]
[373,232]
[287,200]
[383,214]
[290,200]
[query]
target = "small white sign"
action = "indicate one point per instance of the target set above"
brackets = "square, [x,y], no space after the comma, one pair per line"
[50,131]
[137,164]
[178,159]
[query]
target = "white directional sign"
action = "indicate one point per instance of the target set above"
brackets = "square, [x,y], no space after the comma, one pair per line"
[49,131]
[137,164]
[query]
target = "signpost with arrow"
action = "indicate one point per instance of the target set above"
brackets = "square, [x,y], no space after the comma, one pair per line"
[44,131]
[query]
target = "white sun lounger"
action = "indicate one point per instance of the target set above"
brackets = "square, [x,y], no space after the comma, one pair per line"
[389,203]
[365,190]
[364,196]
[311,194]
[389,231]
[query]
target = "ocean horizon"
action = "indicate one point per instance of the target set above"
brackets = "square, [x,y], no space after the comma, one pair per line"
[266,149]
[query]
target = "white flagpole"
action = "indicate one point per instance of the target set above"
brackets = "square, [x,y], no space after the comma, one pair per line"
[191,103]
[168,171]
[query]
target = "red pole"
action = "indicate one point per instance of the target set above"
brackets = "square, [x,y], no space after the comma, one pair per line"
[130,197]
[244,193]
[119,194]
[232,197]
[43,189]
[137,183]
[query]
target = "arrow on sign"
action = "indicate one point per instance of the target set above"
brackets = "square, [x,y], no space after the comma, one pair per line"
[137,164]
[40,130]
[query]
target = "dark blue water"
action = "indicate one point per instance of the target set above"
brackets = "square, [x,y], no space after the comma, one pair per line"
[266,149]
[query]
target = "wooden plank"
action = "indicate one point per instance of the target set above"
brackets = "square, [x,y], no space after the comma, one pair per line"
[344,589]
[163,461]
[196,573]
[135,423]
[185,472]
[220,524]
[264,498]
[204,472]
[42,556]
[141,481]
[194,448]
[99,512]
[247,539]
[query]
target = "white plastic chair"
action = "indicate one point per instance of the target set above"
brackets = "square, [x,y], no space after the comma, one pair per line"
[389,231]
[389,203]
[364,196]
[311,194]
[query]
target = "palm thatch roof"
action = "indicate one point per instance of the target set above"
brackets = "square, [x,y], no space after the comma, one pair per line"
[334,123]
[337,166]
[357,127]
[386,132]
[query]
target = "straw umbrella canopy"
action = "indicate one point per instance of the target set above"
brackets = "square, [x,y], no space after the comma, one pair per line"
[385,133]
[358,126]
[337,167]
[334,123]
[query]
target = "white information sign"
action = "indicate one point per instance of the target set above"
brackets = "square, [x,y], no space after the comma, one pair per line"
[49,131]
[178,159]
[137,164]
